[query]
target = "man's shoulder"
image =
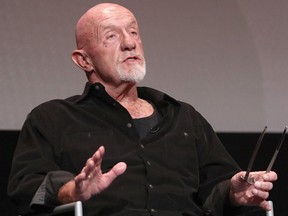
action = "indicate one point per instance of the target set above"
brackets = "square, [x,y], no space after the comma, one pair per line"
[146,92]
[56,104]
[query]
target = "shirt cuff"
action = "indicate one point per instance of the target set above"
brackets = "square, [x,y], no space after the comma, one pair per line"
[46,195]
[218,202]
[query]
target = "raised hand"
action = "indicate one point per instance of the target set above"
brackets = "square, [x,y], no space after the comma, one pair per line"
[90,180]
[252,194]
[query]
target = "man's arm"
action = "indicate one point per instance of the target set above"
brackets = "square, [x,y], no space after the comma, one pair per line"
[232,197]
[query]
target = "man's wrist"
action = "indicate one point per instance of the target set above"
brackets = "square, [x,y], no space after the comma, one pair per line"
[232,198]
[66,193]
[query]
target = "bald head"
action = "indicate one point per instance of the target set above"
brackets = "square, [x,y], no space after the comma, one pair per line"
[86,28]
[109,47]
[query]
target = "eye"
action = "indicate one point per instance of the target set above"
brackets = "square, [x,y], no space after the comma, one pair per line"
[110,36]
[134,33]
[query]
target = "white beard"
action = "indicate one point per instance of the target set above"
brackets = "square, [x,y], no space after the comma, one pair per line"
[135,74]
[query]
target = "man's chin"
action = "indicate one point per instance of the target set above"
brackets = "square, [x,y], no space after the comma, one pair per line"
[134,75]
[134,80]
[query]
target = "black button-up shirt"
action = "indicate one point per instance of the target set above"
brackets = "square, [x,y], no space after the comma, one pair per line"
[171,171]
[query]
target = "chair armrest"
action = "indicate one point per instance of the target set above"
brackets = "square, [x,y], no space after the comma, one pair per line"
[270,213]
[69,207]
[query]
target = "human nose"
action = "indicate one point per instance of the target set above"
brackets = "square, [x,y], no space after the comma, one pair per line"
[128,42]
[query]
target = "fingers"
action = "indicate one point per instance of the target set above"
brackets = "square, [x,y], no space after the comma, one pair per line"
[270,176]
[91,180]
[98,156]
[260,194]
[261,189]
[93,170]
[255,193]
[239,176]
[265,205]
[264,186]
[93,164]
[92,167]
[265,176]
[117,170]
[94,161]
[258,176]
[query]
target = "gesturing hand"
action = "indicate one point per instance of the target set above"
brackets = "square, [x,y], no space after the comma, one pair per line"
[243,193]
[90,180]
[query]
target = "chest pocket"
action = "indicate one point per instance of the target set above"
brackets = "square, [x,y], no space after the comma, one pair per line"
[77,147]
[181,151]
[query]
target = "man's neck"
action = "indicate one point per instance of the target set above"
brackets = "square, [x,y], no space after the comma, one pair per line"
[124,93]
[139,108]
[127,96]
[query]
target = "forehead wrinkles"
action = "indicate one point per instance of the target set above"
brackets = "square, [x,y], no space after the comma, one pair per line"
[96,19]
[116,22]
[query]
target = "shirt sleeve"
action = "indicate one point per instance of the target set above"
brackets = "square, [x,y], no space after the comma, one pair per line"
[46,195]
[35,175]
[218,203]
[216,167]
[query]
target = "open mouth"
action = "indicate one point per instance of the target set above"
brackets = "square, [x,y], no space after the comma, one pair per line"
[131,58]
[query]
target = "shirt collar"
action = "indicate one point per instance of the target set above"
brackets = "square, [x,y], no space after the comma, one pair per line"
[89,88]
[145,93]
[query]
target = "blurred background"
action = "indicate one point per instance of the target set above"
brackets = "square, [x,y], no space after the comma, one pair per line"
[227,58]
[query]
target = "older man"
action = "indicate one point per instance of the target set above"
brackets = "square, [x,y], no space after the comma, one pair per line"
[162,157]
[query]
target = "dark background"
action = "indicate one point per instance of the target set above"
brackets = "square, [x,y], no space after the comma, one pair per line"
[240,146]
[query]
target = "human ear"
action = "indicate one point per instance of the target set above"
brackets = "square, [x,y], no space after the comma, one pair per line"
[82,60]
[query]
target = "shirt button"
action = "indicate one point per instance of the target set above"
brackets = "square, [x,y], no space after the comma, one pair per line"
[97,87]
[142,146]
[153,210]
[151,186]
[207,212]
[154,130]
[129,125]
[185,134]
[149,163]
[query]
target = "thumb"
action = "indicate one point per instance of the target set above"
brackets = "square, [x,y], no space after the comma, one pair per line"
[119,168]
